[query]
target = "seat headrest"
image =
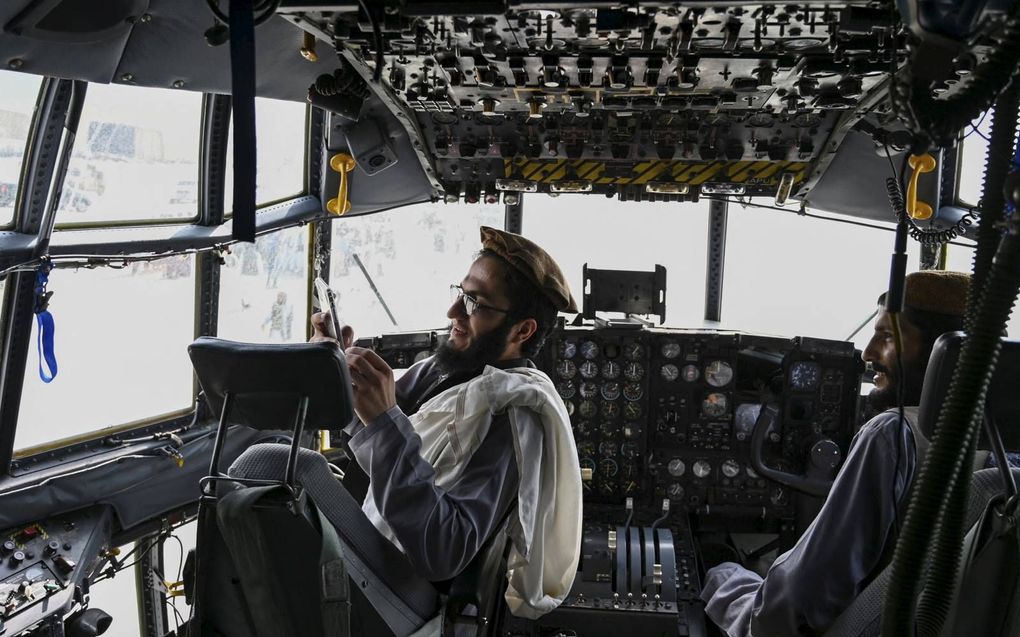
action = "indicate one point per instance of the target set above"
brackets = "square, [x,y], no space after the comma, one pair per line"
[267,381]
[1002,401]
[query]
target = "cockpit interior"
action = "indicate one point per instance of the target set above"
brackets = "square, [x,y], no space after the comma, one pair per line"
[728,188]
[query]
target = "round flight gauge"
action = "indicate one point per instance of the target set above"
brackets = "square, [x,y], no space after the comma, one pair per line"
[566,369]
[675,491]
[608,429]
[567,389]
[718,373]
[589,369]
[610,370]
[715,405]
[631,410]
[611,390]
[805,376]
[671,372]
[583,429]
[632,391]
[607,449]
[588,389]
[570,408]
[670,349]
[630,450]
[585,450]
[634,371]
[730,468]
[608,468]
[568,349]
[633,351]
[589,349]
[676,467]
[690,373]
[587,409]
[702,469]
[610,409]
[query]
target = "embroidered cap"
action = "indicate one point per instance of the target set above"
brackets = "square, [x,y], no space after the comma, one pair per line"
[936,291]
[533,262]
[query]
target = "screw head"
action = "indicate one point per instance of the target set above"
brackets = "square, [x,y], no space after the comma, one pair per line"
[178,84]
[15,64]
[127,77]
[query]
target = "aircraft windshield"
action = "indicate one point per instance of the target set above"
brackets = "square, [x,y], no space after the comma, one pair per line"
[411,256]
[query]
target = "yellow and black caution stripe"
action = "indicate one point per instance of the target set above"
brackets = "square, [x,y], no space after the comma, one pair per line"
[753,173]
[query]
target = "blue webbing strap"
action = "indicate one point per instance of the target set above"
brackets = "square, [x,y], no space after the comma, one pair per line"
[242,101]
[45,325]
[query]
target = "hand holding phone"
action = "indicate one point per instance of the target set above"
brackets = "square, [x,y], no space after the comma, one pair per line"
[327,303]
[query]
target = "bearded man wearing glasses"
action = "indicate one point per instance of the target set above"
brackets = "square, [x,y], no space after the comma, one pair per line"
[476,436]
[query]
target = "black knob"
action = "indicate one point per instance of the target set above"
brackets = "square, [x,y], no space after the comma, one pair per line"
[52,547]
[8,547]
[17,558]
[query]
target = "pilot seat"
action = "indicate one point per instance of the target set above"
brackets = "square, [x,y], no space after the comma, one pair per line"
[283,547]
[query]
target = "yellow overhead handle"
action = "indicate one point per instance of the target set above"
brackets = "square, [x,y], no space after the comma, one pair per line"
[921,164]
[343,164]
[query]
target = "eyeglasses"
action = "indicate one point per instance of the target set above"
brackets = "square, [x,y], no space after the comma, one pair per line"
[471,304]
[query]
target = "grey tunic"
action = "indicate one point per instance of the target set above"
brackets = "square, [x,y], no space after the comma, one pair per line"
[840,552]
[439,530]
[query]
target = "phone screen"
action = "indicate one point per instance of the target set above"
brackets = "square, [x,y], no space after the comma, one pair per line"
[327,303]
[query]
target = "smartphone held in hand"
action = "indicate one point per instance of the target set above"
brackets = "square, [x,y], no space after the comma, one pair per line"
[327,303]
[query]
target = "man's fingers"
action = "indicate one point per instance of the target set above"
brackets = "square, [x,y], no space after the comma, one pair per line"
[360,364]
[371,358]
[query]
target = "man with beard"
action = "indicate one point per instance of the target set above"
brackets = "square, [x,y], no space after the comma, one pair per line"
[855,532]
[476,432]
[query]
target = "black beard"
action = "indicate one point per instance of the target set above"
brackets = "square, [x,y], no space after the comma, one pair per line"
[485,350]
[882,399]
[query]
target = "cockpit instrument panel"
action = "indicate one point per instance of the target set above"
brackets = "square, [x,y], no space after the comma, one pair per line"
[670,414]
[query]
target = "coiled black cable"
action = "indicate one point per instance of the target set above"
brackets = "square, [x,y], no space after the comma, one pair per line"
[342,81]
[924,236]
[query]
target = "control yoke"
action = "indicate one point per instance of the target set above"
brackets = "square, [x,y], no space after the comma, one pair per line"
[823,458]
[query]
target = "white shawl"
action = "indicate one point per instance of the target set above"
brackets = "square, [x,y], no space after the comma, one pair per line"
[546,534]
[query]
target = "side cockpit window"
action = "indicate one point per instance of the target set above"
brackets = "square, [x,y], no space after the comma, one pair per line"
[135,157]
[264,287]
[18,94]
[121,347]
[279,152]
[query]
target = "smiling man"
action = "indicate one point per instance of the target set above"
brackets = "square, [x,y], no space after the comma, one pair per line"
[855,532]
[476,433]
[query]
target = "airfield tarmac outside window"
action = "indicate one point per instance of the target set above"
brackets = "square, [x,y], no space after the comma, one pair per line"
[264,288]
[122,337]
[613,235]
[411,255]
[135,157]
[280,152]
[18,93]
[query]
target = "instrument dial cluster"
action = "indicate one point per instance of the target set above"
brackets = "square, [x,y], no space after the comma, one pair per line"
[602,376]
[669,414]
